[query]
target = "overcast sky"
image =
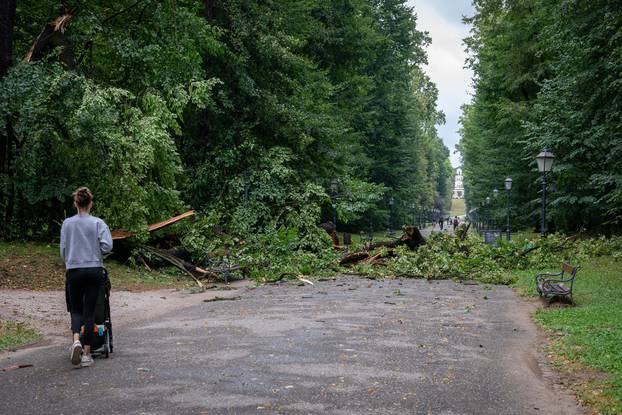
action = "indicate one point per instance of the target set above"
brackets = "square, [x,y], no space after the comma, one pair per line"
[442,19]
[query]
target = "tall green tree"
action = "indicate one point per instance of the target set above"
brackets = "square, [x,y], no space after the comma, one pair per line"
[246,108]
[546,76]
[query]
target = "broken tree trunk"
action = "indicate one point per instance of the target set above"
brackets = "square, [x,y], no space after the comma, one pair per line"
[412,238]
[330,229]
[51,36]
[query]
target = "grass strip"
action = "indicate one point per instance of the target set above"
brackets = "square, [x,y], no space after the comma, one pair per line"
[14,334]
[587,338]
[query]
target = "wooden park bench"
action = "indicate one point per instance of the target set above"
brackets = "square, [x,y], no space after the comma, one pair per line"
[554,285]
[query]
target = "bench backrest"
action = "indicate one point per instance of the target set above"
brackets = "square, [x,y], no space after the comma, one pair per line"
[566,267]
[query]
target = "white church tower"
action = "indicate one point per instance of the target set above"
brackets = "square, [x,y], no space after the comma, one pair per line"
[458,185]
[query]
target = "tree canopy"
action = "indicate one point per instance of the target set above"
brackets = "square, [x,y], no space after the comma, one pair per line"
[547,75]
[162,105]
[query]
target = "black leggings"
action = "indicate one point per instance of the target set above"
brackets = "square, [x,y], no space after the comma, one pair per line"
[83,286]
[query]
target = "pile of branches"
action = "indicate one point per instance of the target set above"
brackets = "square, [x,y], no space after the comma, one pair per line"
[411,238]
[167,250]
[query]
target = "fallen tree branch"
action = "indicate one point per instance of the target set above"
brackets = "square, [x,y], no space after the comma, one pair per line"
[466,231]
[147,267]
[564,245]
[210,300]
[181,264]
[354,257]
[373,258]
[412,238]
[301,278]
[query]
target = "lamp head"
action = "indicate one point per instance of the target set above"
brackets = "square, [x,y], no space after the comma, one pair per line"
[508,183]
[545,161]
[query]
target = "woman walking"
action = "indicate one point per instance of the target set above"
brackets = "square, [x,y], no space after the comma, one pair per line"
[83,241]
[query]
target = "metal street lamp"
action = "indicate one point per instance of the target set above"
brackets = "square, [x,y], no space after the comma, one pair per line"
[412,208]
[481,216]
[391,203]
[495,193]
[487,212]
[508,187]
[545,164]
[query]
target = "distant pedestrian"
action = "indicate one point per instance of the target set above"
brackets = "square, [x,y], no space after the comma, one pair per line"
[83,241]
[440,223]
[456,223]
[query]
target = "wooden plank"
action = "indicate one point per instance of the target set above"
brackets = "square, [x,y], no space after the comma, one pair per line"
[122,234]
[170,221]
[567,267]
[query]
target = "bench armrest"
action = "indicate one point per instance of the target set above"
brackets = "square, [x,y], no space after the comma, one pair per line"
[570,279]
[540,277]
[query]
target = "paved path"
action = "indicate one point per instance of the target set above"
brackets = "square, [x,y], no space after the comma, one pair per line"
[348,346]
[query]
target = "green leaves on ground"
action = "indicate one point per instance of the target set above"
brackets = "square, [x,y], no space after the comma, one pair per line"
[445,256]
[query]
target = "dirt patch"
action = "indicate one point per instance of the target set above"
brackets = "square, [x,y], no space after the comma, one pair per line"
[38,267]
[31,271]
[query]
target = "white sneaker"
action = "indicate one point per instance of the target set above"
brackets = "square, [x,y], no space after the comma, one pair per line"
[86,361]
[75,352]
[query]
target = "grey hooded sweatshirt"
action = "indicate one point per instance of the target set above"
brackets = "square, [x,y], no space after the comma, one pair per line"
[83,241]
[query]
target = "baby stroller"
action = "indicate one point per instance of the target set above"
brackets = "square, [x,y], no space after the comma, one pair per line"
[102,338]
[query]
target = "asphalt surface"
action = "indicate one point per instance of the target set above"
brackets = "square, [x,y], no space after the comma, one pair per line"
[350,346]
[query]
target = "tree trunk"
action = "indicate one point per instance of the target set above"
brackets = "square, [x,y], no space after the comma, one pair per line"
[209,9]
[7,20]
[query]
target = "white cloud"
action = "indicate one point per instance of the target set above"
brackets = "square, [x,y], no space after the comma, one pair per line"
[442,19]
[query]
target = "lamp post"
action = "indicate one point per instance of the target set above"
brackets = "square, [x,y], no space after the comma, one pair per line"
[391,203]
[493,209]
[482,215]
[545,164]
[487,212]
[508,187]
[414,212]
